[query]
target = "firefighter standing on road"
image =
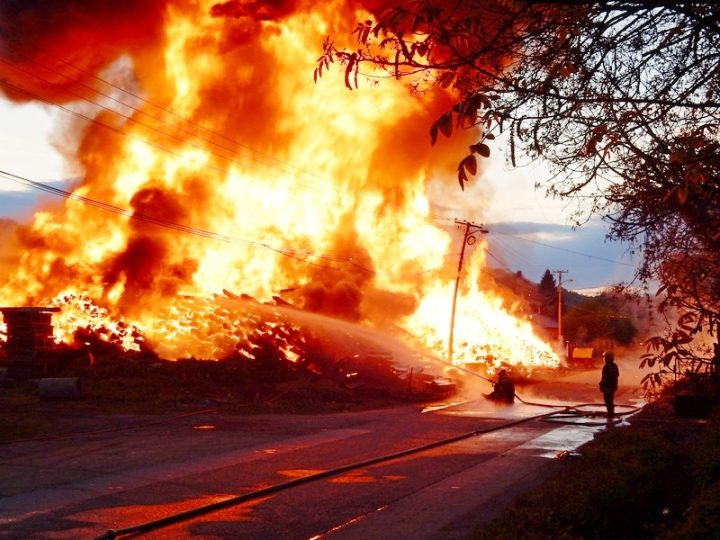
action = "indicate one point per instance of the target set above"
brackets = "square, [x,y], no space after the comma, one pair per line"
[609,382]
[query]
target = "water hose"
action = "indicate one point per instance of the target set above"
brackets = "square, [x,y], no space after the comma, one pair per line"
[234,501]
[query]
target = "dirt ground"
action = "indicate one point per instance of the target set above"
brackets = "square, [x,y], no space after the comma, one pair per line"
[127,384]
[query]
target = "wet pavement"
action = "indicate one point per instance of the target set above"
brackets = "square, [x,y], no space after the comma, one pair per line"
[80,486]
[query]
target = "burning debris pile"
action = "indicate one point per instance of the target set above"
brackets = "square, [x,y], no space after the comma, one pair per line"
[236,328]
[211,162]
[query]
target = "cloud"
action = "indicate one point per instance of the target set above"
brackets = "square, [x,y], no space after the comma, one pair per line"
[17,204]
[590,258]
[18,201]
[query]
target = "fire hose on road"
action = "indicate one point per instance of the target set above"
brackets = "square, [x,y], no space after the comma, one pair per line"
[568,411]
[234,501]
[564,411]
[561,414]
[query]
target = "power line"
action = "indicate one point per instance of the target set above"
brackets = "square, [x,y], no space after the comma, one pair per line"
[122,132]
[163,109]
[327,183]
[113,128]
[293,253]
[506,267]
[185,141]
[507,250]
[138,122]
[160,120]
[565,249]
[300,255]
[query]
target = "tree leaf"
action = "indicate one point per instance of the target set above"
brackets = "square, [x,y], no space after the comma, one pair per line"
[469,118]
[446,79]
[433,134]
[364,35]
[462,177]
[348,70]
[470,163]
[483,149]
[682,194]
[445,124]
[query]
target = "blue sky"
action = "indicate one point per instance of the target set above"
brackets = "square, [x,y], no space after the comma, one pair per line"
[528,232]
[532,247]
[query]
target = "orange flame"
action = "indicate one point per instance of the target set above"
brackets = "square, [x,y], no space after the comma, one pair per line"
[259,181]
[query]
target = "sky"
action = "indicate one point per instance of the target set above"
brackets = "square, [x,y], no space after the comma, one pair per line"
[527,231]
[531,233]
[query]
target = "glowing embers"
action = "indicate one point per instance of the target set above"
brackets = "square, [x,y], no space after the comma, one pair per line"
[247,186]
[81,320]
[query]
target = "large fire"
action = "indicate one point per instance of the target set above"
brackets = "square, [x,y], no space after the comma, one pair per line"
[246,176]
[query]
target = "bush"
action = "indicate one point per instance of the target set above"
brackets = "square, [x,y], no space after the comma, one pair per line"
[624,486]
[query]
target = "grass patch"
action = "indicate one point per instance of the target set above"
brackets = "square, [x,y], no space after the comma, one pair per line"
[629,483]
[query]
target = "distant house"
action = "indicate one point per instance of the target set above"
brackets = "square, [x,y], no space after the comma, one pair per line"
[546,326]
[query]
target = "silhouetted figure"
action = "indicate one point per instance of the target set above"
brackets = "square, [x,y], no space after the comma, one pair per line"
[609,382]
[503,388]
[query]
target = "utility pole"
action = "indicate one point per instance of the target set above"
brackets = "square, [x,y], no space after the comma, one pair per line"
[471,229]
[559,289]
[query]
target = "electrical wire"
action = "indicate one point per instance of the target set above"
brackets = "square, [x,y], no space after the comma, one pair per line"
[508,249]
[500,261]
[300,255]
[159,147]
[163,109]
[186,157]
[564,249]
[185,141]
[133,120]
[327,183]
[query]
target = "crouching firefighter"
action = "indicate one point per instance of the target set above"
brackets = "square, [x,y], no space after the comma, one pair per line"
[503,388]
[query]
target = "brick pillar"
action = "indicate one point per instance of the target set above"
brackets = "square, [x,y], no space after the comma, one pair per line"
[29,341]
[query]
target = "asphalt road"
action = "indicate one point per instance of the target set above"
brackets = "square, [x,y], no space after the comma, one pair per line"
[137,470]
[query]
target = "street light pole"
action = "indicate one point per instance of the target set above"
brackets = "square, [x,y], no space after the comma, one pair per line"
[468,239]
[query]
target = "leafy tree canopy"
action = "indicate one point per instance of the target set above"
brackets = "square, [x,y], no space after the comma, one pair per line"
[548,293]
[621,98]
[547,286]
[599,318]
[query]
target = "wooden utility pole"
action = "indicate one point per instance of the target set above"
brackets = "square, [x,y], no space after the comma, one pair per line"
[559,290]
[468,239]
